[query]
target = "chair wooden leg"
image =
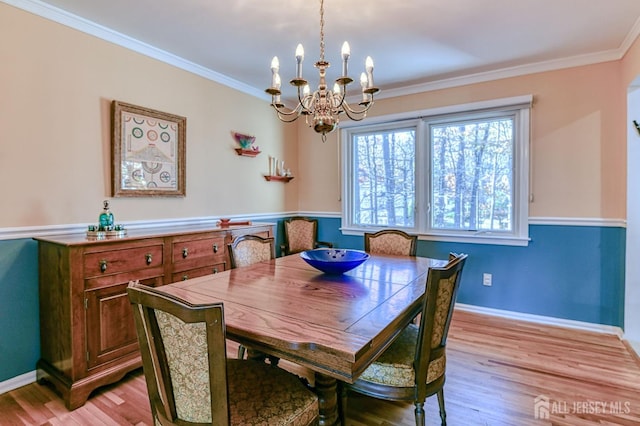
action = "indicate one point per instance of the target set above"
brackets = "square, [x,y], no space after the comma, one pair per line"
[273,360]
[419,412]
[258,356]
[443,413]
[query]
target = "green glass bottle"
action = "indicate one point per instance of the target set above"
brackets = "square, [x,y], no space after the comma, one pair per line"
[106,218]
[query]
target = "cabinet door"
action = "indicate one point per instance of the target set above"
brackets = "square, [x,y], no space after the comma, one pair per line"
[111,332]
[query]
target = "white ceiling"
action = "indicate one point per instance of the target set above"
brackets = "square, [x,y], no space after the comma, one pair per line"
[415,43]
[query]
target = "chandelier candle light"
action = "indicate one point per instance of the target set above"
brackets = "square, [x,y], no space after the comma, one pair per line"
[323,107]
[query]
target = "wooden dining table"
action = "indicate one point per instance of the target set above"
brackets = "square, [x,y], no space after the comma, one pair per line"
[335,325]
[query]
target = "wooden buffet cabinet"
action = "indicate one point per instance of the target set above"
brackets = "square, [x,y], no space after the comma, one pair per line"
[87,335]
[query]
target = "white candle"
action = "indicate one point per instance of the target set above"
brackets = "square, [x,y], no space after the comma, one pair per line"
[299,59]
[363,83]
[346,52]
[275,67]
[368,65]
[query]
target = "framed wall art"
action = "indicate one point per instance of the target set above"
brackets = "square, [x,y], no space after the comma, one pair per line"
[147,152]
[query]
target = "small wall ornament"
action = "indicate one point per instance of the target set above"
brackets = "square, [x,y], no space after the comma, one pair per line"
[277,171]
[246,143]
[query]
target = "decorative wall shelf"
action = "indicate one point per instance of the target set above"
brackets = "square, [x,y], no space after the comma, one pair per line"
[278,178]
[247,152]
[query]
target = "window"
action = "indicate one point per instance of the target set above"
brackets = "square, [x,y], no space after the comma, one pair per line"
[472,174]
[455,174]
[384,188]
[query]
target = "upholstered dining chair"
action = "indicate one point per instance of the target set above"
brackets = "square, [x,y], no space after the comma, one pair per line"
[249,249]
[189,378]
[412,368]
[390,241]
[244,251]
[300,234]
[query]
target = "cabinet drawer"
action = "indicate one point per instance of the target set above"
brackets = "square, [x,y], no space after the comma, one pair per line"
[149,276]
[123,260]
[198,272]
[185,251]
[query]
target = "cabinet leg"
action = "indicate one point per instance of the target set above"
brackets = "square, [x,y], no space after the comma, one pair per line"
[75,394]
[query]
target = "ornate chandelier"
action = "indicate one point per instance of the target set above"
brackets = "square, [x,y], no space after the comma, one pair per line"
[323,107]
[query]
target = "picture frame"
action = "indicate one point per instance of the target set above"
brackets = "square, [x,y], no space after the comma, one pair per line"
[148,152]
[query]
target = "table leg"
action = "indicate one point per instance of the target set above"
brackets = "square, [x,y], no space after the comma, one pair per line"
[327,391]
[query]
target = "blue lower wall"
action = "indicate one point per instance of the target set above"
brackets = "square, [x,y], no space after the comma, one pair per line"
[568,272]
[19,318]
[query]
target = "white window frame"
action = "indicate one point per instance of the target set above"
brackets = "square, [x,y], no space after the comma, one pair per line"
[518,106]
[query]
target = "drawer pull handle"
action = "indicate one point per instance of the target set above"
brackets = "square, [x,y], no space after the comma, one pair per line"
[185,253]
[215,270]
[148,258]
[215,248]
[103,266]
[185,277]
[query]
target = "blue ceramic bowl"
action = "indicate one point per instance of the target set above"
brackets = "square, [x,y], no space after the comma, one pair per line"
[334,261]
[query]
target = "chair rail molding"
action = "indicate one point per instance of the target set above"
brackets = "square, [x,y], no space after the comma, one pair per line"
[578,221]
[15,233]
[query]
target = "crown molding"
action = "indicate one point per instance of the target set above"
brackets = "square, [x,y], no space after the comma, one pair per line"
[574,61]
[631,37]
[73,21]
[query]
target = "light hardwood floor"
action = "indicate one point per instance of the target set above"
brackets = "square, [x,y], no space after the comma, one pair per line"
[496,369]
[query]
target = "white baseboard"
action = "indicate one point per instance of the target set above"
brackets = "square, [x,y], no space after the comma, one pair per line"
[540,319]
[635,346]
[17,382]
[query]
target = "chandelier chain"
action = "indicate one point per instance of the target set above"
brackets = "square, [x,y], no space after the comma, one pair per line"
[323,107]
[322,30]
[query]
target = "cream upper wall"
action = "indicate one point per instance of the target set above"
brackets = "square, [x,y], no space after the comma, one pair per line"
[56,88]
[578,145]
[57,84]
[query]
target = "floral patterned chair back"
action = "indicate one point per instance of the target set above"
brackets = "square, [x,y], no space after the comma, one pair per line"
[413,367]
[244,251]
[191,381]
[300,234]
[390,241]
[249,249]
